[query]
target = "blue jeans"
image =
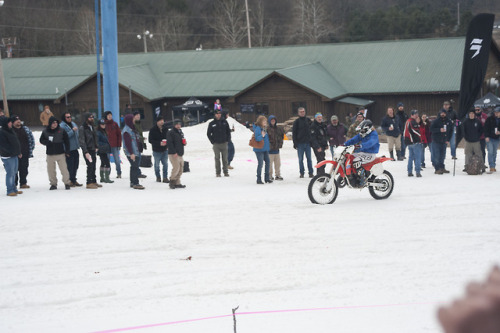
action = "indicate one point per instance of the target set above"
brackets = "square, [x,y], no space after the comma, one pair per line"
[453,144]
[262,156]
[116,156]
[438,153]
[163,158]
[301,149]
[10,165]
[415,157]
[492,147]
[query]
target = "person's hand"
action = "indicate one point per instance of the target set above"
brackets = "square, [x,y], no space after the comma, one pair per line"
[132,157]
[88,157]
[447,142]
[294,146]
[487,139]
[67,155]
[75,129]
[320,150]
[20,156]
[443,130]
[175,155]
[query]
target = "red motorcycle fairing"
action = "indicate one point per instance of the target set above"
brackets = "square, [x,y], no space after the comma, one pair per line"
[334,165]
[378,160]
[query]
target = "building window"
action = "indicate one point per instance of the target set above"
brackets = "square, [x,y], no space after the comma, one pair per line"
[262,108]
[297,105]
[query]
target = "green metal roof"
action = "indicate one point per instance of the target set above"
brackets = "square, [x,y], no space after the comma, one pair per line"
[314,77]
[331,70]
[356,101]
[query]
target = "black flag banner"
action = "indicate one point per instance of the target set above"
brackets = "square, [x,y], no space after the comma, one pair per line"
[476,53]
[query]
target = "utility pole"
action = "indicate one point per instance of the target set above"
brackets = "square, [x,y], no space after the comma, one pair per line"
[2,82]
[4,94]
[458,15]
[248,26]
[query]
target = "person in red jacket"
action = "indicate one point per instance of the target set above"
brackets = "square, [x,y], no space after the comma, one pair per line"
[115,140]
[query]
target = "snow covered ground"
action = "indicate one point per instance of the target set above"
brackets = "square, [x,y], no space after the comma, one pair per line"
[95,260]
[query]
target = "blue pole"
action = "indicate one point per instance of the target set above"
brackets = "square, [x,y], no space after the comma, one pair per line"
[98,56]
[110,58]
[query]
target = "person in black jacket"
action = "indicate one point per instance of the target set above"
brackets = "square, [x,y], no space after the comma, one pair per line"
[492,137]
[56,141]
[219,134]
[390,126]
[158,140]
[319,140]
[10,153]
[176,143]
[441,130]
[472,130]
[402,117]
[88,143]
[301,136]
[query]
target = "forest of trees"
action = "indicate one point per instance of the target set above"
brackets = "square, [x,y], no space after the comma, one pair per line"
[67,27]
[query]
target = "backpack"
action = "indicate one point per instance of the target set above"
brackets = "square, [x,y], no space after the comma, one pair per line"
[475,166]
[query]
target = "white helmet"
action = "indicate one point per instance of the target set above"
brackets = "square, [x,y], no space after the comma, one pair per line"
[365,128]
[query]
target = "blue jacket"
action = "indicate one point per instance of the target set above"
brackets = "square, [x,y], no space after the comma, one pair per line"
[369,144]
[258,137]
[74,144]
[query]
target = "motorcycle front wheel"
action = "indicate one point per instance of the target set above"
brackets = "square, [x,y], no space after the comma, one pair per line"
[318,190]
[384,187]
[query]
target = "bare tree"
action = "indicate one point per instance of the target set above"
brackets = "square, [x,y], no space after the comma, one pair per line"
[171,33]
[85,37]
[228,20]
[263,31]
[312,21]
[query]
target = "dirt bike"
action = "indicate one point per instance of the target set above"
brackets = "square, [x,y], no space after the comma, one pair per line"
[324,188]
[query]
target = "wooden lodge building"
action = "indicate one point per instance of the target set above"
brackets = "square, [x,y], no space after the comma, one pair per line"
[326,78]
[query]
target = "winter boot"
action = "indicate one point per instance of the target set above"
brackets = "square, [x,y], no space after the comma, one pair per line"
[107,171]
[103,178]
[400,157]
[392,155]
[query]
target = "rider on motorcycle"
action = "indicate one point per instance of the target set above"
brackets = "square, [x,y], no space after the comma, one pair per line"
[367,138]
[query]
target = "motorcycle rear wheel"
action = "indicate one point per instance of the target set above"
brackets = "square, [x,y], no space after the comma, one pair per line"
[384,190]
[318,194]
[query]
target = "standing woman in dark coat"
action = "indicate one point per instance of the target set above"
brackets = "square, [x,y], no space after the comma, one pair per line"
[104,148]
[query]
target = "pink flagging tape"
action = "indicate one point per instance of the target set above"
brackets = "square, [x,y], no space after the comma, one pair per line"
[259,313]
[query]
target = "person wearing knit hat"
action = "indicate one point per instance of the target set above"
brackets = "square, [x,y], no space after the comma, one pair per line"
[27,142]
[352,129]
[115,140]
[10,152]
[319,140]
[88,143]
[402,117]
[57,144]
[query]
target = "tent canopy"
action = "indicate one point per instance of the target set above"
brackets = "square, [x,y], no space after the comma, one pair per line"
[192,104]
[488,101]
